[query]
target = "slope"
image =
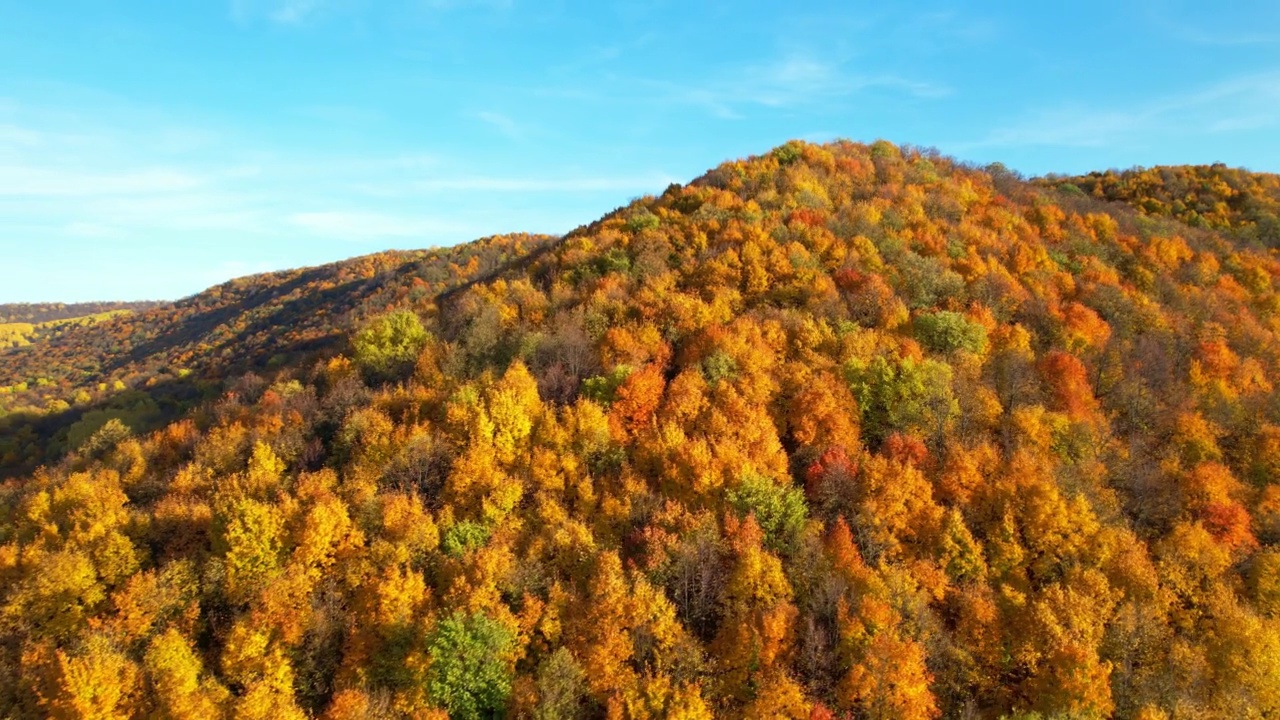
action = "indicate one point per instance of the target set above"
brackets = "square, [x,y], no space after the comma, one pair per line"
[152,365]
[839,430]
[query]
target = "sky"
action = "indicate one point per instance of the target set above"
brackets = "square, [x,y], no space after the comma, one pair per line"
[152,148]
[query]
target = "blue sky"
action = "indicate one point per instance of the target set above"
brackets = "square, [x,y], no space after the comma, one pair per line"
[149,149]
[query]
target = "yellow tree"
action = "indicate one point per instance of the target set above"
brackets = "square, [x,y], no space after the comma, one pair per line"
[174,671]
[97,683]
[755,635]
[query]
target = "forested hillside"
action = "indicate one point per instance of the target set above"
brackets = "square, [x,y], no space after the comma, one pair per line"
[836,431]
[1241,203]
[21,334]
[149,367]
[36,313]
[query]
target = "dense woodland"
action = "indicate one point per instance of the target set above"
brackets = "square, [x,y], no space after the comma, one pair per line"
[1237,202]
[836,431]
[36,313]
[150,367]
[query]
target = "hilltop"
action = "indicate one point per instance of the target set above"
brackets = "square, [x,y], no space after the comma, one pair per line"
[839,430]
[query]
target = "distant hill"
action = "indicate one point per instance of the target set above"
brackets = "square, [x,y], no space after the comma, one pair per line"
[836,431]
[20,334]
[1243,203]
[36,313]
[178,352]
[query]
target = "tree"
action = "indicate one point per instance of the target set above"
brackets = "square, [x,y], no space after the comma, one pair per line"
[471,669]
[174,671]
[1067,381]
[905,395]
[755,637]
[779,510]
[945,332]
[562,685]
[251,539]
[100,683]
[390,344]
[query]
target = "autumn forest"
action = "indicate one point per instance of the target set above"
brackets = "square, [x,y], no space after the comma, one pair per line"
[836,431]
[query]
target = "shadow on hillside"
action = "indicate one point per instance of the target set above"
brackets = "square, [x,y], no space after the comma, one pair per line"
[298,311]
[44,438]
[519,263]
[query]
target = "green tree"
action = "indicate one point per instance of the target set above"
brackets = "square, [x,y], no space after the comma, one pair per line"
[946,331]
[562,684]
[780,510]
[471,666]
[902,396]
[390,344]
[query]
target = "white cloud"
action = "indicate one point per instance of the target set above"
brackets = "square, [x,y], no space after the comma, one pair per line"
[370,225]
[1066,127]
[292,11]
[456,4]
[91,230]
[792,81]
[14,135]
[504,124]
[650,183]
[285,12]
[233,269]
[297,12]
[29,181]
[1243,122]
[1242,103]
[150,204]
[1231,25]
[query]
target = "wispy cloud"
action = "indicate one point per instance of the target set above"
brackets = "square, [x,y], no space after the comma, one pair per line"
[292,11]
[1201,37]
[297,12]
[1068,126]
[502,123]
[149,190]
[285,12]
[952,28]
[91,230]
[29,181]
[792,81]
[13,135]
[233,269]
[456,4]
[641,183]
[1231,25]
[338,114]
[343,225]
[1242,103]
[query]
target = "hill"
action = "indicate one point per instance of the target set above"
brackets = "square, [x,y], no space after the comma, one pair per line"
[37,313]
[149,367]
[1236,201]
[20,334]
[836,431]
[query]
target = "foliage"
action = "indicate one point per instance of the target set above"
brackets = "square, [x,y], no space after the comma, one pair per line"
[780,511]
[946,331]
[1213,196]
[389,343]
[41,313]
[463,537]
[836,431]
[902,396]
[604,388]
[470,670]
